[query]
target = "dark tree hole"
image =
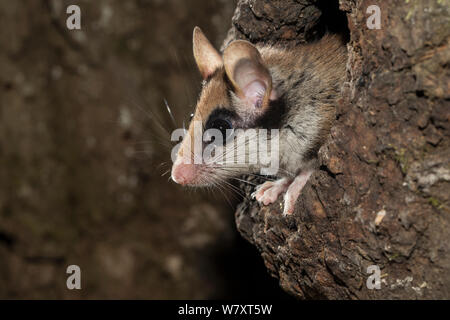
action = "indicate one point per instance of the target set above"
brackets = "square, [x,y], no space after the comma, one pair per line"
[332,20]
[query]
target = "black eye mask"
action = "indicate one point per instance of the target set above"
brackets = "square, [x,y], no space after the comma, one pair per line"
[221,119]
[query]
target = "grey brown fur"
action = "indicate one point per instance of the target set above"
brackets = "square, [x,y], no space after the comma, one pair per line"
[294,90]
[308,80]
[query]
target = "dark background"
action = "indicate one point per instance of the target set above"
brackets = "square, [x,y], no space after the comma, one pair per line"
[84,145]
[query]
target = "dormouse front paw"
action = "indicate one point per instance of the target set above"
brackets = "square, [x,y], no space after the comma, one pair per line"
[269,191]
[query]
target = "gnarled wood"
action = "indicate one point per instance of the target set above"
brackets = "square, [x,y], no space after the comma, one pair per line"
[381,196]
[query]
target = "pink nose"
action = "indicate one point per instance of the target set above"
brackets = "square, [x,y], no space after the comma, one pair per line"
[183,173]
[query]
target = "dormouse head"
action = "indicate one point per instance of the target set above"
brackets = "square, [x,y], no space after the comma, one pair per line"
[237,90]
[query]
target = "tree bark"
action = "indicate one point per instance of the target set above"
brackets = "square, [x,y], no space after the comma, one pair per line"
[381,196]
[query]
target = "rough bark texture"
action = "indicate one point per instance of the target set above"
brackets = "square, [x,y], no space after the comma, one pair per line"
[381,196]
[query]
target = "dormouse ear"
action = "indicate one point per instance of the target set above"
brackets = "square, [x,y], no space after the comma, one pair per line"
[246,70]
[206,56]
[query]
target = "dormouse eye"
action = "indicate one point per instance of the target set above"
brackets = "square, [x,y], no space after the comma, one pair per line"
[222,119]
[223,125]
